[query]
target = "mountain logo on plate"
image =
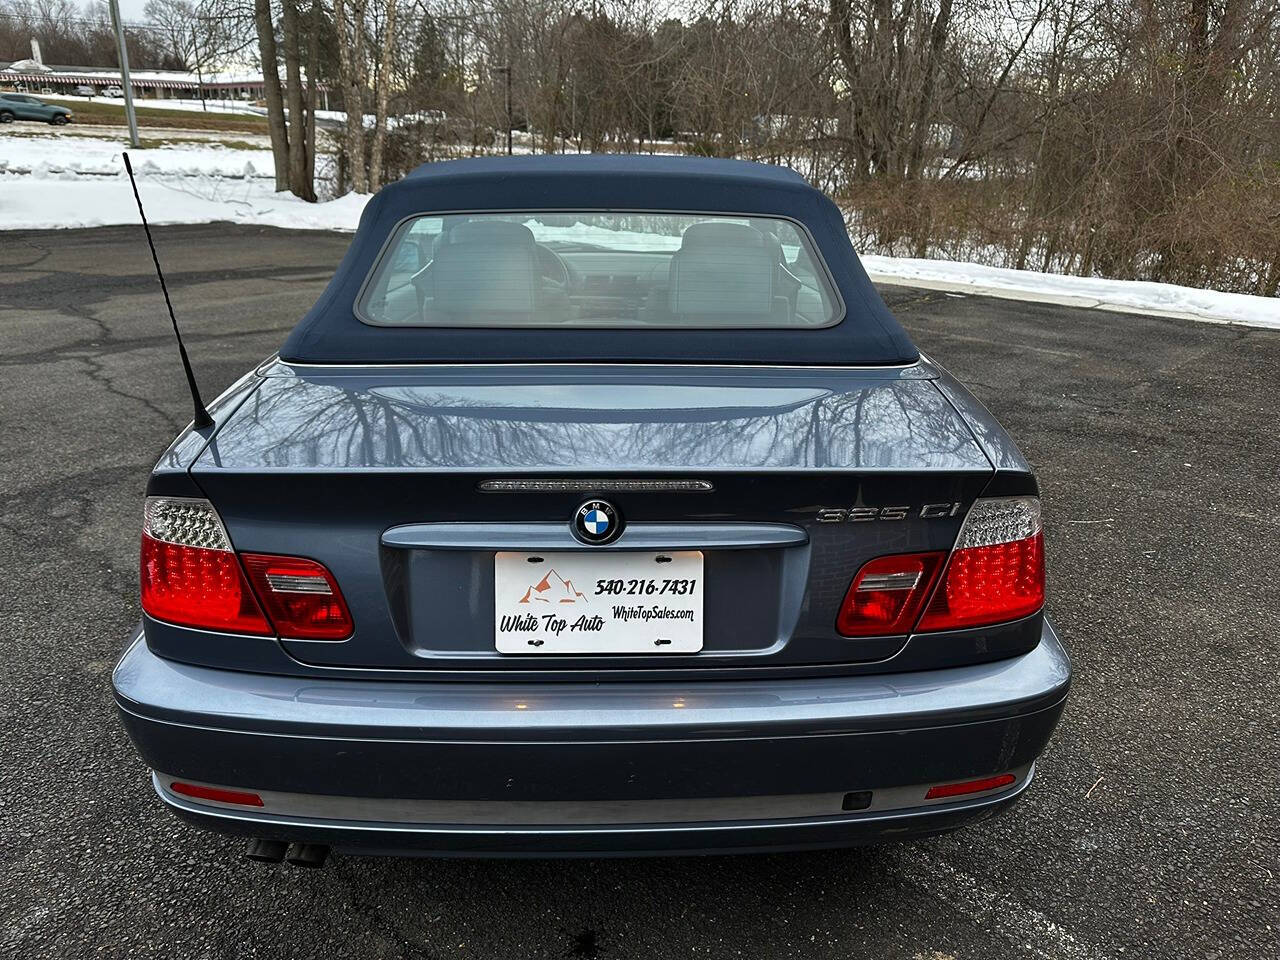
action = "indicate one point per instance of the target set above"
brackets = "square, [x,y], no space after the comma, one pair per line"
[552,588]
[597,522]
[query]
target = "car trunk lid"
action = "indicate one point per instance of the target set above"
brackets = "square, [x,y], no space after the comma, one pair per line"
[407,482]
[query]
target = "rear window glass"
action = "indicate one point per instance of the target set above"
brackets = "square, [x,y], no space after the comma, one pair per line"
[596,269]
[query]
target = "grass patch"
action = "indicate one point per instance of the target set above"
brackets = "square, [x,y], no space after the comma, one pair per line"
[111,113]
[42,132]
[152,143]
[235,144]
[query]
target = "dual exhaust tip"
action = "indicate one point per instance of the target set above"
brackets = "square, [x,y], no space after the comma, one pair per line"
[311,855]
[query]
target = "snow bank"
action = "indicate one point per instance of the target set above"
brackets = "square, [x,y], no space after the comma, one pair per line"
[1124,296]
[69,156]
[28,203]
[52,182]
[211,105]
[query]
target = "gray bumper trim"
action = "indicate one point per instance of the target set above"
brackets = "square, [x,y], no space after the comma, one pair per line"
[565,812]
[247,816]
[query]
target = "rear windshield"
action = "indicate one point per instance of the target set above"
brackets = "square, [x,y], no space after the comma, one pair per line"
[594,269]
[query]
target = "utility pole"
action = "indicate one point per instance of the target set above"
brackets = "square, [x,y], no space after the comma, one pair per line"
[507,70]
[195,53]
[124,72]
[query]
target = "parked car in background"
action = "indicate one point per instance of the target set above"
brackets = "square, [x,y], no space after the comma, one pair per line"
[113,91]
[20,106]
[83,91]
[600,504]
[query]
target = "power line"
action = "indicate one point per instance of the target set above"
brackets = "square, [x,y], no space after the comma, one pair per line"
[83,22]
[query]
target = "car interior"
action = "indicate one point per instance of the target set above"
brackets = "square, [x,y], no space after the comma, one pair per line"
[493,272]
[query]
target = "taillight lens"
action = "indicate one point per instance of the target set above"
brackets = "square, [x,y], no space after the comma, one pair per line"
[996,571]
[301,597]
[886,596]
[190,575]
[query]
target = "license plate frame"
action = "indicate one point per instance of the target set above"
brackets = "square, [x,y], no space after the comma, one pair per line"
[598,602]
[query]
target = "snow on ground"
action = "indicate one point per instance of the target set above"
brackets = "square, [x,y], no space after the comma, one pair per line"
[210,105]
[52,182]
[1123,296]
[30,203]
[602,236]
[60,157]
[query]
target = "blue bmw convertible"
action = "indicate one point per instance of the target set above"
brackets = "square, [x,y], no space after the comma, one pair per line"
[598,506]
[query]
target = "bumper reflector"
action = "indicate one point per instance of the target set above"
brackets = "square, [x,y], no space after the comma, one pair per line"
[218,794]
[969,786]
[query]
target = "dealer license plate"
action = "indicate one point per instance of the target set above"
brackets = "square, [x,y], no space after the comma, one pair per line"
[598,602]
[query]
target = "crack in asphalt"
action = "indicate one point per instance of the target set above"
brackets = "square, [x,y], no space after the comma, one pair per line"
[62,509]
[96,373]
[68,291]
[913,301]
[20,267]
[95,369]
[109,345]
[1172,655]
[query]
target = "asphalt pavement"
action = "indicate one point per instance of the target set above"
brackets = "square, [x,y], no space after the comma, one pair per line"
[1152,830]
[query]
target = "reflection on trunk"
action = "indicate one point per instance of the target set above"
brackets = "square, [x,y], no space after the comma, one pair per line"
[344,423]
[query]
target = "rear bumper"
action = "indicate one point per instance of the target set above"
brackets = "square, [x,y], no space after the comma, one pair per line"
[544,769]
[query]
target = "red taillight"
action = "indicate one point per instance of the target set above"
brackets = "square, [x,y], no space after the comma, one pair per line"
[969,786]
[301,597]
[886,596]
[220,794]
[996,572]
[198,587]
[191,577]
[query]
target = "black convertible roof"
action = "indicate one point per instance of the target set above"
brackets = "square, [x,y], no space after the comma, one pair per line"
[868,334]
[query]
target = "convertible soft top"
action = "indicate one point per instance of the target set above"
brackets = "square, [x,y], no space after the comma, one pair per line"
[868,334]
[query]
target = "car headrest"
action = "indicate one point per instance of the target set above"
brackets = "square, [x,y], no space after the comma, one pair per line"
[720,233]
[485,271]
[490,231]
[725,270]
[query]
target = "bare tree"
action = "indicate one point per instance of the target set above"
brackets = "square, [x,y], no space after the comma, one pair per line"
[1127,138]
[300,179]
[272,92]
[71,33]
[382,87]
[174,20]
[349,21]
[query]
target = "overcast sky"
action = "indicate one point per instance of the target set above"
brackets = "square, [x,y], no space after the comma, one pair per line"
[131,10]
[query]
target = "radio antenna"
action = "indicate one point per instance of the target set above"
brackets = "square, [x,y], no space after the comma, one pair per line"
[202,418]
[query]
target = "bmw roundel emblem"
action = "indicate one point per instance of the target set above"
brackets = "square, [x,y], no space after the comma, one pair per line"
[597,522]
